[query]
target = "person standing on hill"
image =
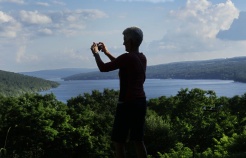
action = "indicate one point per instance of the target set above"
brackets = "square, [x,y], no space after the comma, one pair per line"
[130,114]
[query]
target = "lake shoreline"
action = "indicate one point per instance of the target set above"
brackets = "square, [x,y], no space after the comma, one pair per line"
[154,88]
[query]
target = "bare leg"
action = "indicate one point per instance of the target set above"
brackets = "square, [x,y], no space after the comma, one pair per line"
[140,149]
[120,150]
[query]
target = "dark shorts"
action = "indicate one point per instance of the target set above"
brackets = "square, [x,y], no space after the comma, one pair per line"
[129,121]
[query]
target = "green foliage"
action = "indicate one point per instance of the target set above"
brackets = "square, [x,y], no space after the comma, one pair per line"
[179,151]
[95,110]
[158,134]
[207,125]
[194,123]
[14,84]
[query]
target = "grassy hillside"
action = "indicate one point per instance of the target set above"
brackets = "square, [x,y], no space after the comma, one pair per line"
[14,84]
[225,69]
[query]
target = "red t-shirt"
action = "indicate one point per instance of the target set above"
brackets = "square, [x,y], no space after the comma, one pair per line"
[132,68]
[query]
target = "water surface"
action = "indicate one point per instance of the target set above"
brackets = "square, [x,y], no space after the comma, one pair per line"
[153,87]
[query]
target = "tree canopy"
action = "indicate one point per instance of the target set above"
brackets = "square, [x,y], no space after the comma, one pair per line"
[194,123]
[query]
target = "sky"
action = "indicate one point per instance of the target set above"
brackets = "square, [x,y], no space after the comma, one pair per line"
[54,34]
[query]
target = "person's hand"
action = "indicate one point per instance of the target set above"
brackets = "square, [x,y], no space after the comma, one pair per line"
[104,48]
[94,48]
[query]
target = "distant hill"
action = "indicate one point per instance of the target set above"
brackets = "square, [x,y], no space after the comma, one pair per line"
[95,75]
[225,69]
[15,84]
[56,74]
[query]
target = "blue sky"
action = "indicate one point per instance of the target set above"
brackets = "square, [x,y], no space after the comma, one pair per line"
[54,34]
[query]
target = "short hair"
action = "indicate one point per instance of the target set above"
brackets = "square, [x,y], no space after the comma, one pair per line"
[135,34]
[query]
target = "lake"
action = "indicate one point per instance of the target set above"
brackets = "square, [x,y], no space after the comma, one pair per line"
[153,87]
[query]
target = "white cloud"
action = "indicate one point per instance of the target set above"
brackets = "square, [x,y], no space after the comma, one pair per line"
[59,3]
[34,17]
[20,30]
[236,31]
[68,57]
[152,1]
[91,14]
[4,17]
[17,1]
[203,19]
[74,55]
[195,26]
[34,23]
[43,4]
[192,33]
[78,15]
[45,31]
[13,1]
[23,57]
[8,26]
[73,22]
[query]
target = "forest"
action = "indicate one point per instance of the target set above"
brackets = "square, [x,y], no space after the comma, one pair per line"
[224,69]
[192,124]
[14,84]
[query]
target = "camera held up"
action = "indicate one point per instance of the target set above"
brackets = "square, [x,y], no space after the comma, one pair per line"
[99,46]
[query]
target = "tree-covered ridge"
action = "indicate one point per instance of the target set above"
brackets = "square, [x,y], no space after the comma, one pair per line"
[225,69]
[14,84]
[194,123]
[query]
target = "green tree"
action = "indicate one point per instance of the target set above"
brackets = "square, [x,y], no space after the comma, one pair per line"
[95,110]
[158,134]
[194,123]
[179,151]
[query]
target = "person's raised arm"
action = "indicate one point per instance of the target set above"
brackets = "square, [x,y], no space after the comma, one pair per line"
[106,52]
[95,52]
